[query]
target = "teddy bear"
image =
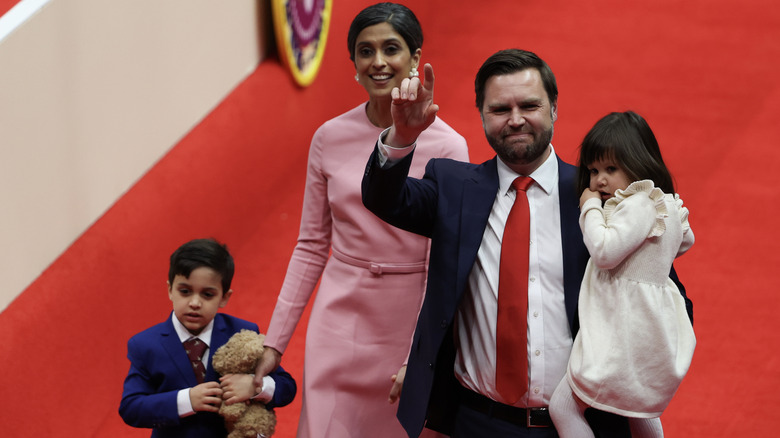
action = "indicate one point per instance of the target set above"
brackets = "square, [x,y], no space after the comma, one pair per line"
[240,355]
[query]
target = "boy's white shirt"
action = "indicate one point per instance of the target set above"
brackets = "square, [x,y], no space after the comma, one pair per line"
[183,402]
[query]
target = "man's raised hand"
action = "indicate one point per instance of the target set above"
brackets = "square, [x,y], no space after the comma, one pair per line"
[413,109]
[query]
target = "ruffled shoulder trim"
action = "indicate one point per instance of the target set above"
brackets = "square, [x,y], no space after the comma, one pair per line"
[683,212]
[654,193]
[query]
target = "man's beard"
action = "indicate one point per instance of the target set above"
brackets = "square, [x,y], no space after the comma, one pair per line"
[520,154]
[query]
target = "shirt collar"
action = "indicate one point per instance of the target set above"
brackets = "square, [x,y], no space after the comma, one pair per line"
[184,334]
[546,175]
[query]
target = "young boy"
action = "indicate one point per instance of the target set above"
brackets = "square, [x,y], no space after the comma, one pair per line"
[165,389]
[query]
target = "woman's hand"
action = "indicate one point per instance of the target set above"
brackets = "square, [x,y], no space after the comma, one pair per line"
[398,383]
[268,362]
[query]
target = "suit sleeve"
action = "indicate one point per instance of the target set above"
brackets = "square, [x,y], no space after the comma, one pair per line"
[688,302]
[285,388]
[404,202]
[141,405]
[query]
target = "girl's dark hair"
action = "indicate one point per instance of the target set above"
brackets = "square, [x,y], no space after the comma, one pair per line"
[199,253]
[627,139]
[401,18]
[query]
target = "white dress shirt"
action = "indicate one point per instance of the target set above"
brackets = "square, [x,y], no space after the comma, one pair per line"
[183,397]
[549,337]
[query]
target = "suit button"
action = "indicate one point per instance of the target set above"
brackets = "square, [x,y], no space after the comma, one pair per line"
[444,323]
[430,365]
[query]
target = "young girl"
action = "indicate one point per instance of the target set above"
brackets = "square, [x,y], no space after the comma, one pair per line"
[635,341]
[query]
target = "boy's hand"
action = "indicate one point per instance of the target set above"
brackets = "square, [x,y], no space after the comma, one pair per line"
[237,388]
[398,383]
[206,397]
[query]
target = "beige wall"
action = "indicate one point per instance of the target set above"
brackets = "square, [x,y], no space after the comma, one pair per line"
[93,93]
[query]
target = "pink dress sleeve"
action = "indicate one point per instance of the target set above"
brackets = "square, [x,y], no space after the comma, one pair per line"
[309,256]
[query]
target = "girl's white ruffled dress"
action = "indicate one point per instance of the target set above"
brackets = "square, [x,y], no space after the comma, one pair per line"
[635,342]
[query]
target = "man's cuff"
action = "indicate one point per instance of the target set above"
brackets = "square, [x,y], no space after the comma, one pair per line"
[389,155]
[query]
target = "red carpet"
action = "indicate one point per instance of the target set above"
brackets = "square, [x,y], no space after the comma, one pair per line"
[702,72]
[6,5]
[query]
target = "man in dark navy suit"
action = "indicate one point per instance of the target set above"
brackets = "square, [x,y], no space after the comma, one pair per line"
[450,381]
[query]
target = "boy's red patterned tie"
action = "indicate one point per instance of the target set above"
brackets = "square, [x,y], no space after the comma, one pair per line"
[195,348]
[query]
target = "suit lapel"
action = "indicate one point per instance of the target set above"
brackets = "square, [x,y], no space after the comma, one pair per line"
[574,253]
[172,345]
[479,193]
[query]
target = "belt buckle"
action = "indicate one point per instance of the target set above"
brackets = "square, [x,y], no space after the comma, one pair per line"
[529,418]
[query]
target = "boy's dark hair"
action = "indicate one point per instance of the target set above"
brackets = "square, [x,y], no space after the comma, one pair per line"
[627,139]
[510,61]
[401,18]
[199,253]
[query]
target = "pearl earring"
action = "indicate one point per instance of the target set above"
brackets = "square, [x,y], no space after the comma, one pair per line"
[413,73]
[357,78]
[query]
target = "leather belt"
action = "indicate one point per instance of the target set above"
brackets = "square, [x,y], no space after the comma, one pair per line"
[380,268]
[524,417]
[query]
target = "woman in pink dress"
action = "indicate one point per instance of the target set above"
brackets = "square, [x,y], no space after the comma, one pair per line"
[372,275]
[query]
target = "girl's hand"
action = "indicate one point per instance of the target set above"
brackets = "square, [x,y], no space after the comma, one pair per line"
[588,194]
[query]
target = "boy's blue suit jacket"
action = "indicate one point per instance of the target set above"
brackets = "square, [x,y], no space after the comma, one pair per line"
[159,368]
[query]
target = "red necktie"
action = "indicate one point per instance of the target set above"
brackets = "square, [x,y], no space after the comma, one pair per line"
[511,326]
[195,349]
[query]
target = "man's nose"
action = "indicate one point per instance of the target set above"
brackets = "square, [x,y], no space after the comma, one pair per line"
[516,117]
